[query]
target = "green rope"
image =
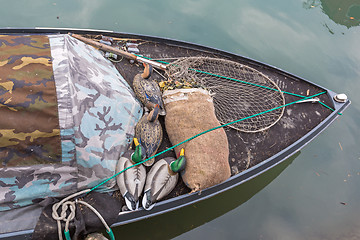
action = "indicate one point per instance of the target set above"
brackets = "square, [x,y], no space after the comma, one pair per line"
[257,85]
[241,81]
[148,58]
[228,78]
[197,135]
[249,83]
[339,113]
[227,124]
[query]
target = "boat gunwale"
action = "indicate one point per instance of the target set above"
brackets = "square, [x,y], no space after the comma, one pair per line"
[235,180]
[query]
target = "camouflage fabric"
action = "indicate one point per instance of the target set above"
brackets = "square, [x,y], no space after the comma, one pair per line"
[29,125]
[97,112]
[104,109]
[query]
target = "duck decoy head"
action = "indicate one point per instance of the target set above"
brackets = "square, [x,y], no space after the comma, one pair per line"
[179,164]
[154,114]
[139,153]
[147,71]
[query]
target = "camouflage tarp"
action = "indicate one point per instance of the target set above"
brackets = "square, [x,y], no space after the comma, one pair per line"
[29,125]
[66,115]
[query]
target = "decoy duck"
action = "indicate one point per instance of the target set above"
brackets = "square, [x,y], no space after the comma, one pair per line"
[132,181]
[162,179]
[149,132]
[148,91]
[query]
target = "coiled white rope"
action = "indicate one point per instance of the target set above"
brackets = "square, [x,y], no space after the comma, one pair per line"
[65,205]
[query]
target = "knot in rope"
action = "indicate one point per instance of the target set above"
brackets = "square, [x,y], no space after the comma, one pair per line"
[65,205]
[63,215]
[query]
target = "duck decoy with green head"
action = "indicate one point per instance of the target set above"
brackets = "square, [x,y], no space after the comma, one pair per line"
[131,182]
[149,132]
[162,179]
[148,91]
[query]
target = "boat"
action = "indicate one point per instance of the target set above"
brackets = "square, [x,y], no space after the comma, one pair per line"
[304,109]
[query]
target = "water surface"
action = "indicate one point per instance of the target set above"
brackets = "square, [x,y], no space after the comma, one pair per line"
[317,196]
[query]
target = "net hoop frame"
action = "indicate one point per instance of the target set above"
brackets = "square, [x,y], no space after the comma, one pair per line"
[274,87]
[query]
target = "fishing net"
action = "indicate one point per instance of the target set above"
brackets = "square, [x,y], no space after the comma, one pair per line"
[238,91]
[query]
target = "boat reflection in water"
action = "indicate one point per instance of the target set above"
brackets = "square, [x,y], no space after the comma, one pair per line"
[177,222]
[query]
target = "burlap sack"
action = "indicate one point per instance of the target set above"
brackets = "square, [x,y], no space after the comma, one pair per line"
[190,112]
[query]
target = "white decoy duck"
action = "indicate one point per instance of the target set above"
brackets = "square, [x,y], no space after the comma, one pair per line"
[149,132]
[148,91]
[162,179]
[132,181]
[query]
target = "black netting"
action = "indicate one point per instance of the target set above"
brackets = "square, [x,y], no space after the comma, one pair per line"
[238,91]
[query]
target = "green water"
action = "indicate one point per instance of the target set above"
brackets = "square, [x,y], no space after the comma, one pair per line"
[317,196]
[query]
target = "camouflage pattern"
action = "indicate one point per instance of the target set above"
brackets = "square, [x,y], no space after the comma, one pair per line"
[29,125]
[97,112]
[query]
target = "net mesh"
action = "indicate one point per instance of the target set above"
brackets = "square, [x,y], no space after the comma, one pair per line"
[238,91]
